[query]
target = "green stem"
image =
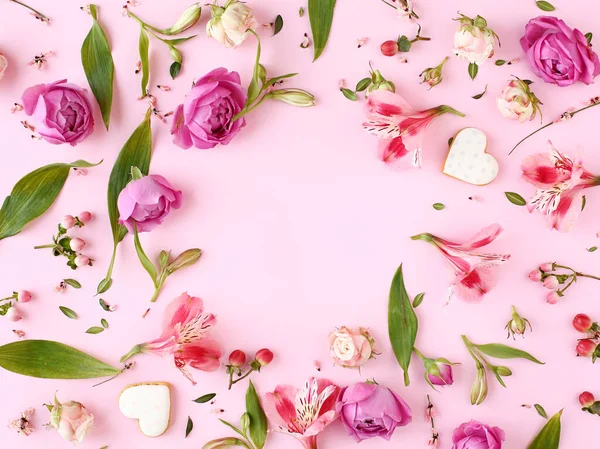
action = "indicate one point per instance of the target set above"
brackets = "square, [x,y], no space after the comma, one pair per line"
[42,17]
[250,371]
[145,25]
[45,246]
[419,38]
[160,282]
[445,108]
[250,109]
[137,349]
[587,276]
[416,351]
[425,236]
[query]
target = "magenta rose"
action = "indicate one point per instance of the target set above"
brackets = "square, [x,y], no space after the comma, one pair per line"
[146,202]
[370,410]
[61,111]
[474,435]
[205,119]
[558,54]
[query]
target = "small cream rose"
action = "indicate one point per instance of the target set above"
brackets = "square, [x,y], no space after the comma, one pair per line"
[230,24]
[351,349]
[518,102]
[71,419]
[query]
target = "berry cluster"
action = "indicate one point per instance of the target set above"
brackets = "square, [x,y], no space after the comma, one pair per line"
[237,361]
[7,305]
[589,403]
[590,345]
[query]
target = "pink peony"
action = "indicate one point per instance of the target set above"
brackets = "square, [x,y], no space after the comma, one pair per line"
[474,435]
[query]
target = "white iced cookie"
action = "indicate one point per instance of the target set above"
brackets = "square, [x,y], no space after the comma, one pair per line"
[467,159]
[150,404]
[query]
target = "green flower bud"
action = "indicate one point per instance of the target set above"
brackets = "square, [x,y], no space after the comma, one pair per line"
[245,422]
[295,97]
[479,389]
[187,20]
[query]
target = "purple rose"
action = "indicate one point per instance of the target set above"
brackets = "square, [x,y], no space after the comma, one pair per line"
[371,410]
[146,202]
[61,111]
[558,54]
[474,435]
[205,117]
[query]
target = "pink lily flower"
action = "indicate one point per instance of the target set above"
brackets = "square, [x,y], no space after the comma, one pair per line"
[400,128]
[303,413]
[474,277]
[185,327]
[560,181]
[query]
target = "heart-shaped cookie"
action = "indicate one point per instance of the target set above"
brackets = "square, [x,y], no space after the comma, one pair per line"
[467,159]
[150,404]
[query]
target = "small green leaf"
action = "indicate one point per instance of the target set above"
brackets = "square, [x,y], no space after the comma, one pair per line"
[104,284]
[104,323]
[473,69]
[301,12]
[232,427]
[68,312]
[144,260]
[418,300]
[583,202]
[144,48]
[205,398]
[104,447]
[189,427]
[278,25]
[540,410]
[72,282]
[94,330]
[175,69]
[500,62]
[592,249]
[320,13]
[589,37]
[478,96]
[104,305]
[404,44]
[363,84]
[500,351]
[549,436]
[350,95]
[258,419]
[515,198]
[438,206]
[544,6]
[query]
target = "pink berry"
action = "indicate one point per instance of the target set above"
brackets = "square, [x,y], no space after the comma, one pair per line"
[85,217]
[552,298]
[389,48]
[237,358]
[68,221]
[24,296]
[582,323]
[264,356]
[546,267]
[586,399]
[77,244]
[586,347]
[551,283]
[535,275]
[13,314]
[82,261]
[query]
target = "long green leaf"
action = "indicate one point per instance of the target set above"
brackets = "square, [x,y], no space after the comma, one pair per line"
[320,13]
[146,262]
[98,65]
[258,420]
[402,323]
[33,195]
[52,360]
[144,48]
[500,351]
[549,436]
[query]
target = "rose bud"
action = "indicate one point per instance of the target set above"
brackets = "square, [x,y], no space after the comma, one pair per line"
[389,48]
[518,102]
[552,298]
[439,372]
[85,217]
[12,314]
[71,420]
[230,24]
[582,323]
[535,275]
[264,356]
[433,75]
[551,283]
[24,296]
[474,41]
[77,244]
[517,324]
[586,347]
[237,358]
[82,261]
[350,348]
[586,399]
[547,267]
[68,221]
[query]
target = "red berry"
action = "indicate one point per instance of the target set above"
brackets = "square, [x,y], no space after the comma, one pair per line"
[237,358]
[264,356]
[586,399]
[586,347]
[389,48]
[582,323]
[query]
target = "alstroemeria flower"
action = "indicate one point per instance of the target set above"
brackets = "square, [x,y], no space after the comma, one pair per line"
[303,413]
[560,181]
[185,327]
[474,276]
[399,127]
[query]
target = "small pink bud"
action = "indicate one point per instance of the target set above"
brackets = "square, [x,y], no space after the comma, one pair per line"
[24,296]
[82,261]
[586,347]
[546,267]
[586,399]
[77,244]
[389,48]
[552,298]
[85,217]
[13,314]
[535,275]
[551,283]
[68,221]
[264,356]
[237,358]
[582,323]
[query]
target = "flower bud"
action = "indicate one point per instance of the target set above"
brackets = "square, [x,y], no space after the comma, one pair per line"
[82,261]
[187,20]
[439,372]
[264,356]
[518,102]
[185,259]
[71,420]
[24,296]
[503,371]
[479,389]
[586,347]
[547,267]
[295,97]
[586,399]
[85,217]
[245,422]
[551,283]
[77,244]
[582,323]
[535,275]
[230,25]
[12,314]
[389,48]
[433,75]
[68,221]
[474,41]
[552,297]
[517,324]
[3,65]
[237,358]
[176,54]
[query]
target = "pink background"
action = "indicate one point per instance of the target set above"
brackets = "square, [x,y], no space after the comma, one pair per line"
[302,227]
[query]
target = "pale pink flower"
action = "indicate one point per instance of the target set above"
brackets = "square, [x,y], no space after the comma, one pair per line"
[19,333]
[350,348]
[342,84]
[474,276]
[400,128]
[71,419]
[16,108]
[362,41]
[560,181]
[184,336]
[23,425]
[303,413]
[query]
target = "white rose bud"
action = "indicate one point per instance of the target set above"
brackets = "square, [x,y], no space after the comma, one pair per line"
[230,24]
[474,41]
[518,102]
[71,420]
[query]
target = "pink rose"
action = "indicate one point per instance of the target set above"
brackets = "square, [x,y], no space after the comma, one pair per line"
[3,65]
[557,53]
[146,202]
[205,119]
[349,348]
[517,101]
[61,111]
[71,420]
[474,435]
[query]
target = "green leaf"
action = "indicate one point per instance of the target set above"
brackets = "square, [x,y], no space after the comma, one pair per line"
[98,66]
[144,48]
[177,41]
[205,398]
[278,25]
[589,37]
[540,410]
[438,206]
[478,96]
[95,330]
[33,195]
[501,351]
[145,261]
[418,300]
[583,202]
[500,62]
[68,312]
[258,420]
[270,82]
[592,249]
[175,69]
[473,69]
[51,360]
[350,95]
[185,259]
[253,87]
[515,198]
[232,427]
[72,282]
[363,84]
[104,323]
[402,323]
[189,426]
[105,284]
[549,436]
[104,305]
[545,6]
[301,12]
[320,13]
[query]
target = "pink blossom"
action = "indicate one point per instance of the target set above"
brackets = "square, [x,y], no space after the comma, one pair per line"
[400,128]
[474,276]
[303,413]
